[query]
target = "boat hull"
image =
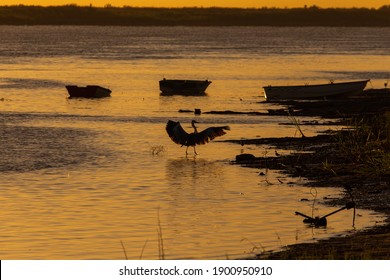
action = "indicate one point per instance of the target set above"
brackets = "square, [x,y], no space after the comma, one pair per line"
[183,87]
[314,91]
[88,91]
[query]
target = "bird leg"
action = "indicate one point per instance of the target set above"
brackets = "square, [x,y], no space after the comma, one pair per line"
[187,150]
[195,150]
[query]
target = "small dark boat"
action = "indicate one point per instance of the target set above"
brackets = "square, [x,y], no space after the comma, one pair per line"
[183,87]
[88,91]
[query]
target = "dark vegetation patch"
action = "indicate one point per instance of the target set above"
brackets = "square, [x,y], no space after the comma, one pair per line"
[132,16]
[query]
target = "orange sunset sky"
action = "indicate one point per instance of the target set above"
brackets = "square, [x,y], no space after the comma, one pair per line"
[206,3]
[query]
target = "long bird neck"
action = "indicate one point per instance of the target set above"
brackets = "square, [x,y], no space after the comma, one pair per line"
[195,130]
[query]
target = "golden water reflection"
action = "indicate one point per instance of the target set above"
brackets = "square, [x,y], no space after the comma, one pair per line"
[77,176]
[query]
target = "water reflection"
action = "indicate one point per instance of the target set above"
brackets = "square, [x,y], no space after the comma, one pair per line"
[25,148]
[196,209]
[193,175]
[104,186]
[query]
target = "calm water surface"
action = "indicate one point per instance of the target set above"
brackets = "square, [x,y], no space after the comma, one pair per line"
[78,177]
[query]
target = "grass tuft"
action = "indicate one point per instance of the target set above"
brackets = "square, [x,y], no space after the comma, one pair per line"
[367,145]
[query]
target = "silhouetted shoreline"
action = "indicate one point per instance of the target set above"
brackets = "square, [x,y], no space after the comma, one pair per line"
[132,16]
[327,161]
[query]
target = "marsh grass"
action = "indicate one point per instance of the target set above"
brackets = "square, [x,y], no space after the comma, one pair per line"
[367,145]
[161,251]
[160,240]
[327,166]
[156,150]
[124,250]
[297,124]
[256,246]
[143,249]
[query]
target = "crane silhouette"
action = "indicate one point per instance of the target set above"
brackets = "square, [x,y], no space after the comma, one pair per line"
[181,137]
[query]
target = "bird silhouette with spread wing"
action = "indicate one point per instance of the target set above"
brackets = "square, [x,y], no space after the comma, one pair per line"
[181,137]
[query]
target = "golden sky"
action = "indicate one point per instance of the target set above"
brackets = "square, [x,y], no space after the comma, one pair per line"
[207,3]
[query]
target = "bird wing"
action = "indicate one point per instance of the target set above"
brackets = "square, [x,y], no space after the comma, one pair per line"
[176,132]
[209,134]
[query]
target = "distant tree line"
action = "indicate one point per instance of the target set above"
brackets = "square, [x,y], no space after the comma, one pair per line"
[131,16]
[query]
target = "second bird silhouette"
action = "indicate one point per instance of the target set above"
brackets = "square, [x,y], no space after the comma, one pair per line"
[181,137]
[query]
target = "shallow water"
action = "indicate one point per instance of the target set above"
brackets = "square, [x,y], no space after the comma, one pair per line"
[78,177]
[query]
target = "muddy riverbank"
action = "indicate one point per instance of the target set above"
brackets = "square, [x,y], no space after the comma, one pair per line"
[355,159]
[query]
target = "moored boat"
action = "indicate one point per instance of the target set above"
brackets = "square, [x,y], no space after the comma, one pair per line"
[90,91]
[318,91]
[183,87]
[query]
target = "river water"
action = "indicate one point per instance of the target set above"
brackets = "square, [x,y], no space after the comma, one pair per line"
[93,179]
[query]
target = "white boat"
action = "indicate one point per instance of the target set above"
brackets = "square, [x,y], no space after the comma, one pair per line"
[314,91]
